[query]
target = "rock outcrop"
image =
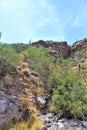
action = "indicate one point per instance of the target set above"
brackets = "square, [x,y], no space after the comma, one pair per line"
[57,49]
[79,45]
[52,122]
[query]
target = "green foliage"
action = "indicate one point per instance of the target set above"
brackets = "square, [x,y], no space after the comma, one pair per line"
[41,61]
[69,94]
[8,59]
[6,67]
[8,53]
[81,54]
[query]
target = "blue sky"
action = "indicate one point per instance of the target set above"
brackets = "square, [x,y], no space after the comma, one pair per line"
[22,20]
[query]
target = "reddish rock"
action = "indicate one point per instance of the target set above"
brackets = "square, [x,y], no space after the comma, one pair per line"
[58,49]
[40,43]
[79,45]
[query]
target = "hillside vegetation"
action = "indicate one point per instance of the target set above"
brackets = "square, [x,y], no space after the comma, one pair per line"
[63,83]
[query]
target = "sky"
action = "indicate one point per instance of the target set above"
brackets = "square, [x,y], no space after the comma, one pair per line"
[58,20]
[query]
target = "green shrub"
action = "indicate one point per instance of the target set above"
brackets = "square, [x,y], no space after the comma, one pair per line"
[8,59]
[69,95]
[41,61]
[8,53]
[5,67]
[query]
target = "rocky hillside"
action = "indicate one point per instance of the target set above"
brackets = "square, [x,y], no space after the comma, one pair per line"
[57,49]
[38,91]
[21,93]
[62,49]
[79,45]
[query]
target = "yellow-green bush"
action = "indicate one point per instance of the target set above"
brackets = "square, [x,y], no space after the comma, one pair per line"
[69,95]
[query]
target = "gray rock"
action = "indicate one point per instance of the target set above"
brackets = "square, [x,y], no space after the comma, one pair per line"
[2,93]
[49,115]
[47,120]
[79,128]
[11,106]
[84,124]
[53,127]
[1,123]
[51,122]
[60,125]
[3,105]
[41,99]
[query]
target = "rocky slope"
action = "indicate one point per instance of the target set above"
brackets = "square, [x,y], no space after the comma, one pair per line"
[21,93]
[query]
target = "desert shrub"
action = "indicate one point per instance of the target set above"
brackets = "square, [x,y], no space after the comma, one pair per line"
[5,67]
[69,95]
[41,61]
[32,124]
[81,54]
[8,53]
[8,59]
[84,66]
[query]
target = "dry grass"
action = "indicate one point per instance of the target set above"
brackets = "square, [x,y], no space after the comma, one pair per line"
[24,65]
[25,71]
[32,124]
[7,79]
[40,91]
[51,109]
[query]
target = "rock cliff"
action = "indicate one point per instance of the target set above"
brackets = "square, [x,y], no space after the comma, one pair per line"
[79,45]
[57,49]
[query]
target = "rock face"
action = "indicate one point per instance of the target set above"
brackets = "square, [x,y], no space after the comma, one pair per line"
[52,122]
[9,107]
[79,45]
[60,49]
[57,49]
